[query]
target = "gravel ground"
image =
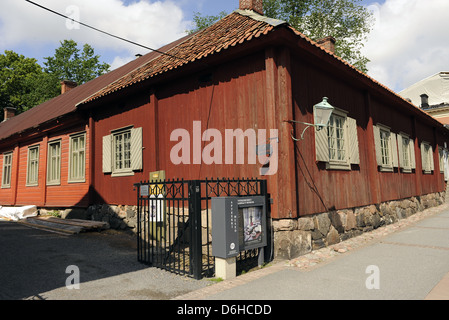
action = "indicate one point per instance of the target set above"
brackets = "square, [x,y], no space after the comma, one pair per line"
[33,265]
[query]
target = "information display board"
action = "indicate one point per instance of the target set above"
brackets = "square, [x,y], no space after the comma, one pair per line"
[238,224]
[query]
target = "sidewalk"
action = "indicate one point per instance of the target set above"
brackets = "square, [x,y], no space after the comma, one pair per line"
[408,260]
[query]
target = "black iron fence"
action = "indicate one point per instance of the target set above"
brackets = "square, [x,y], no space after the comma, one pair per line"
[174,223]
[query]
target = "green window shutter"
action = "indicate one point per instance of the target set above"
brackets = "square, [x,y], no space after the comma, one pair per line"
[322,145]
[354,156]
[432,159]
[423,157]
[136,149]
[394,149]
[401,150]
[377,145]
[412,154]
[107,154]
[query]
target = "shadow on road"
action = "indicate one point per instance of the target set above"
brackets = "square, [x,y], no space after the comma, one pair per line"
[34,261]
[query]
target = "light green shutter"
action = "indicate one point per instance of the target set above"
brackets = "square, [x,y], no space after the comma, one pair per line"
[321,145]
[431,159]
[423,155]
[354,157]
[136,149]
[412,154]
[394,149]
[377,145]
[401,150]
[107,154]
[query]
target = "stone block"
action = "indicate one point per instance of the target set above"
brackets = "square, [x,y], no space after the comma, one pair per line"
[333,236]
[292,244]
[305,224]
[322,223]
[285,225]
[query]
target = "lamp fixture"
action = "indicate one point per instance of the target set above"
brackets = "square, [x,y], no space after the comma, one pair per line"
[321,112]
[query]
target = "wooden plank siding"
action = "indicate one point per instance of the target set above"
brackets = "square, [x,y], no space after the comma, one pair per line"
[320,189]
[66,194]
[221,103]
[260,91]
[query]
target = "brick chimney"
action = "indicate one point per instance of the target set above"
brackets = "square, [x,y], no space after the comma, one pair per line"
[9,112]
[254,5]
[327,43]
[67,85]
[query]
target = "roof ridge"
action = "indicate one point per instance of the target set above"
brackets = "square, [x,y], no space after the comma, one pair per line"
[258,17]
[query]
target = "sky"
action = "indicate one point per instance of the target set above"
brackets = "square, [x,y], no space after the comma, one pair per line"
[408,43]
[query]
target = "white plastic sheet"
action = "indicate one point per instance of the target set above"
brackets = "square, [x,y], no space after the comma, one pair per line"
[17,213]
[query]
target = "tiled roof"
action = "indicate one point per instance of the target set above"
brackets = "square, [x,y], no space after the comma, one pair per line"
[66,103]
[236,28]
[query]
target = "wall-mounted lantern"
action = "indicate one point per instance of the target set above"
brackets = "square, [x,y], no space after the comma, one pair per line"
[321,112]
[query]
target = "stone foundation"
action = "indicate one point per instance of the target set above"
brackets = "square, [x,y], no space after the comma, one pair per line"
[117,217]
[292,237]
[296,237]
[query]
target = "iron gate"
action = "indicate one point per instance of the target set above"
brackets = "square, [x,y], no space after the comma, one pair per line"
[174,222]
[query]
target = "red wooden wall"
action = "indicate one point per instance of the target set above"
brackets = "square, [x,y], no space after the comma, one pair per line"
[63,195]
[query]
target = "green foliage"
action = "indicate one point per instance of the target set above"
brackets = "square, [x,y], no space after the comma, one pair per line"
[25,84]
[17,75]
[69,63]
[201,22]
[346,20]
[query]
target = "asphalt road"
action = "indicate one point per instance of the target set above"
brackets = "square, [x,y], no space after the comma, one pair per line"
[33,265]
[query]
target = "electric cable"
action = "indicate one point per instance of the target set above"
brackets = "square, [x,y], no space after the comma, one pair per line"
[104,32]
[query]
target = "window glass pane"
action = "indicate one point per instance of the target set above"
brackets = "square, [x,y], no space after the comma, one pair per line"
[385,147]
[336,138]
[122,147]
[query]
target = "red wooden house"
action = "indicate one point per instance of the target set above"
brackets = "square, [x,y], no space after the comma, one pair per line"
[245,72]
[46,153]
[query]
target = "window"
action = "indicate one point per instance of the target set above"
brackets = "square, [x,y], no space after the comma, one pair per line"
[54,163]
[77,160]
[338,144]
[122,152]
[336,138]
[427,157]
[7,164]
[386,148]
[33,166]
[406,153]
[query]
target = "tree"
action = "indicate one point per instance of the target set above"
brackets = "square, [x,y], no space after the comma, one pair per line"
[202,22]
[69,63]
[17,78]
[346,20]
[25,84]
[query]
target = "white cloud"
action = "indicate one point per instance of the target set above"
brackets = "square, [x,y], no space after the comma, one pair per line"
[409,41]
[147,22]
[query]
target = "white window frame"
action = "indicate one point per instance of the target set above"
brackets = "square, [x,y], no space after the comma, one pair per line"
[406,150]
[131,162]
[7,170]
[427,158]
[77,169]
[54,163]
[386,148]
[348,145]
[121,152]
[33,166]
